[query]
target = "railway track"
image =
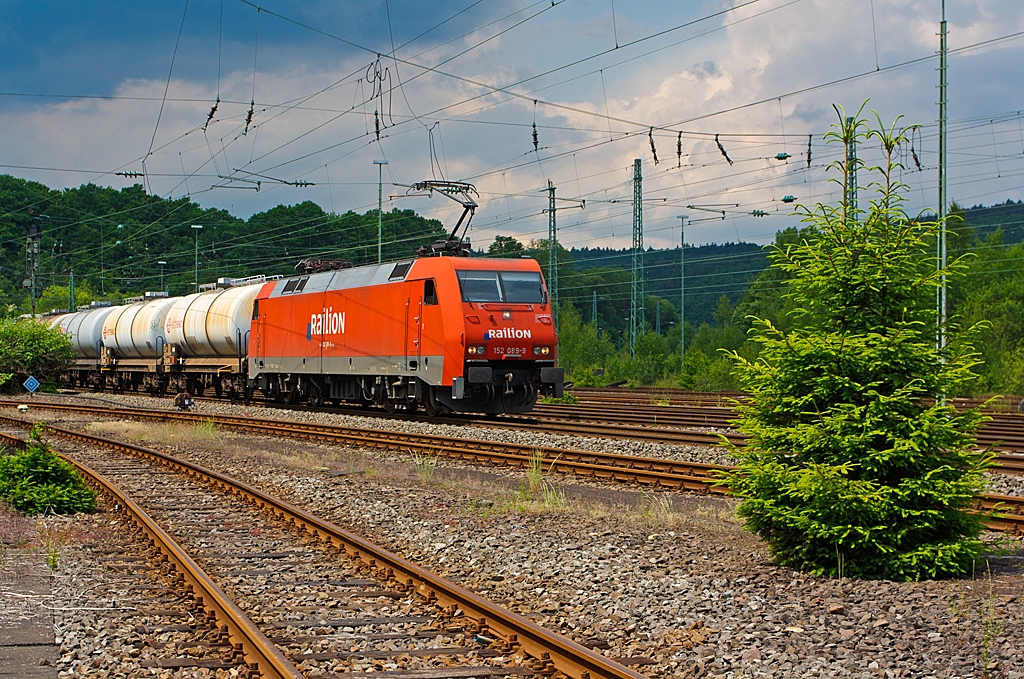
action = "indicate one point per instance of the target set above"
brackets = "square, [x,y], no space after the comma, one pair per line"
[654,472]
[369,609]
[1009,462]
[661,425]
[683,397]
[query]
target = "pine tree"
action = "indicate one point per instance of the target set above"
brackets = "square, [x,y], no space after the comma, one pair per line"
[856,465]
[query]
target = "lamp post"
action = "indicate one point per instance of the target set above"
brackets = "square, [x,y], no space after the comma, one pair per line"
[682,287]
[197,228]
[162,264]
[380,205]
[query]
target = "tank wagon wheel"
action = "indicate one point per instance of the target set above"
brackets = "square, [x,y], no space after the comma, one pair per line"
[218,388]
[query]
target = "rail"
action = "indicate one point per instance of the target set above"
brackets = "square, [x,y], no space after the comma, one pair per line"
[551,651]
[259,652]
[673,474]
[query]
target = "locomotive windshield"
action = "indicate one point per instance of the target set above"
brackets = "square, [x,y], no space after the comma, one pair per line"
[516,287]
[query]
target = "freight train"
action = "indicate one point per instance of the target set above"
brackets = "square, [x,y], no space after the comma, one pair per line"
[445,333]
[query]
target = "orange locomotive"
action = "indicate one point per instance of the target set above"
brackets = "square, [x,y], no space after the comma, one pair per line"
[450,333]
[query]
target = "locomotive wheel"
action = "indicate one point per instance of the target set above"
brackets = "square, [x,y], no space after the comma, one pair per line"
[433,409]
[316,397]
[389,406]
[411,407]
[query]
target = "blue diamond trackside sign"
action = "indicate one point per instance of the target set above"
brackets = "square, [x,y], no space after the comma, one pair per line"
[31,384]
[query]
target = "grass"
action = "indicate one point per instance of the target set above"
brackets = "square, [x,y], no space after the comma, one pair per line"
[535,470]
[426,466]
[52,540]
[657,399]
[657,509]
[200,433]
[565,399]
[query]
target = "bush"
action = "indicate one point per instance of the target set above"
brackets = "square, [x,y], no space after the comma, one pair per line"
[856,465]
[38,481]
[30,347]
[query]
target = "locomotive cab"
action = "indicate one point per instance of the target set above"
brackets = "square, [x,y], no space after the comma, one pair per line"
[510,348]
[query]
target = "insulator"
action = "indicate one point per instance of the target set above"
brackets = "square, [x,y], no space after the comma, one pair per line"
[679,150]
[213,112]
[781,156]
[809,151]
[376,123]
[788,199]
[722,149]
[759,213]
[248,116]
[535,136]
[654,151]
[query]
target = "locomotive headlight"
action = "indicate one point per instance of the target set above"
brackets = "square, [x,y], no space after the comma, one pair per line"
[481,350]
[545,350]
[472,350]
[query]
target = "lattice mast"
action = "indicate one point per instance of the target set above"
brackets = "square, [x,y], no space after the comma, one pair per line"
[941,249]
[636,308]
[552,254]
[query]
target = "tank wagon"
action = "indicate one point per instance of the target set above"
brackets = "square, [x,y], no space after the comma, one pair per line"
[446,333]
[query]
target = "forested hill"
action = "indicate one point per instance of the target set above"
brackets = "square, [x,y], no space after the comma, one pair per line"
[981,221]
[114,240]
[711,271]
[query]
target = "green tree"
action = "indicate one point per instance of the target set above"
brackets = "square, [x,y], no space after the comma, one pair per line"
[30,347]
[581,347]
[851,468]
[505,246]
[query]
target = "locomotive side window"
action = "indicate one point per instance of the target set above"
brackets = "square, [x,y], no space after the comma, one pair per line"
[255,310]
[429,292]
[515,287]
[302,284]
[289,286]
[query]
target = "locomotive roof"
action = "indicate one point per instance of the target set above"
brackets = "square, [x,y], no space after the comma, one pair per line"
[390,272]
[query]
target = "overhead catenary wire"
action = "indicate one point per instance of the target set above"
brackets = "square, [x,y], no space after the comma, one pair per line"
[651,137]
[167,86]
[255,54]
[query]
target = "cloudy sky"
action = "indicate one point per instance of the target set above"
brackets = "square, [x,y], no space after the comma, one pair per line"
[453,89]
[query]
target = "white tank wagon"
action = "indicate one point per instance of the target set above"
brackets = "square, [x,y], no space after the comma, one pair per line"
[214,323]
[85,328]
[159,343]
[136,330]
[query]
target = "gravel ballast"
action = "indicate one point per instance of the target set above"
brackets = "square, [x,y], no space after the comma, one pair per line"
[668,577]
